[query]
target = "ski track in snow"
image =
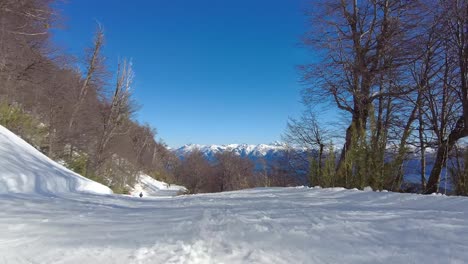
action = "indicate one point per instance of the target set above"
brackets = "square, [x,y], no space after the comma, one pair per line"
[274,225]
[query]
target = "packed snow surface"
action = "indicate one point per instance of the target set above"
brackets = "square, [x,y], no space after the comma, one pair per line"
[271,225]
[48,214]
[150,187]
[23,169]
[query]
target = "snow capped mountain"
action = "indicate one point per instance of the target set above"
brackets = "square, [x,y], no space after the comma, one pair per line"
[254,152]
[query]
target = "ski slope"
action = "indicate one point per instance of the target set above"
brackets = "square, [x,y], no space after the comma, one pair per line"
[23,169]
[150,187]
[51,215]
[277,225]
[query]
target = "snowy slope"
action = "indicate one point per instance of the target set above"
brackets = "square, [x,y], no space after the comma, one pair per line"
[23,169]
[265,225]
[150,187]
[276,225]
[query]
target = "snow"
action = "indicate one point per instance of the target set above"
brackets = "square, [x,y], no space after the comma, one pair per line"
[23,169]
[260,150]
[51,215]
[272,225]
[150,187]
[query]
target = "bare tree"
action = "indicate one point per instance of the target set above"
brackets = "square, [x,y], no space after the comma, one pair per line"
[23,36]
[424,77]
[94,72]
[455,22]
[141,138]
[366,44]
[233,172]
[196,173]
[307,133]
[116,113]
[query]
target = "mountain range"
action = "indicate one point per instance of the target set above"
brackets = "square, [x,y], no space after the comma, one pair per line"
[268,152]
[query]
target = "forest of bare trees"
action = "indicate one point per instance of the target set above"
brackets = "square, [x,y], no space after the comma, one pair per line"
[83,118]
[397,70]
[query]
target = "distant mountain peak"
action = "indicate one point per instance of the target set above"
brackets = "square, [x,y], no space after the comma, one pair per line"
[245,150]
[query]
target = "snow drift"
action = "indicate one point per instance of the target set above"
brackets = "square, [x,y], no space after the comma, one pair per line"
[150,187]
[23,169]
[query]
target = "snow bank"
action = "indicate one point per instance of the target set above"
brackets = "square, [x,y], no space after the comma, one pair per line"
[151,187]
[23,169]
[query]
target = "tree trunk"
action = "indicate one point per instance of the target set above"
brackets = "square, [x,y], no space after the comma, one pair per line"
[439,163]
[320,157]
[441,157]
[423,149]
[353,133]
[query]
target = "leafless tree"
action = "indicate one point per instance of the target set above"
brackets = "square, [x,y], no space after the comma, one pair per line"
[94,73]
[233,172]
[196,173]
[307,133]
[115,114]
[366,45]
[455,27]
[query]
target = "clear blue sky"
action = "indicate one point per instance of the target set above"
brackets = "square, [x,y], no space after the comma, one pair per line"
[207,71]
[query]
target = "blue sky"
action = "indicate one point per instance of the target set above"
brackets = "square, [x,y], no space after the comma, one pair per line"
[207,71]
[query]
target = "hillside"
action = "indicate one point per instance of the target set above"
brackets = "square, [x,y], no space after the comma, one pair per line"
[25,170]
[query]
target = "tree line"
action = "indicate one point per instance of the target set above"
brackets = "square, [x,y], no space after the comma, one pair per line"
[398,72]
[74,110]
[229,171]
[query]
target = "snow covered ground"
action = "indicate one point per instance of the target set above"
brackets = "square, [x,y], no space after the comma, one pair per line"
[23,169]
[277,225]
[51,215]
[150,187]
